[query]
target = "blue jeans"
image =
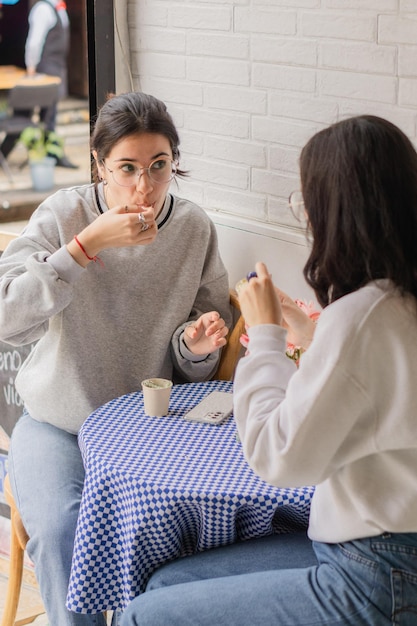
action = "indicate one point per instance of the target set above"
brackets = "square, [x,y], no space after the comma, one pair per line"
[47,476]
[280,580]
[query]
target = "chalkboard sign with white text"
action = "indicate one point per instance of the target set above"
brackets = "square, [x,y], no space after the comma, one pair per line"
[11,404]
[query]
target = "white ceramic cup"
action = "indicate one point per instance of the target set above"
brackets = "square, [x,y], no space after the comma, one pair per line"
[156,394]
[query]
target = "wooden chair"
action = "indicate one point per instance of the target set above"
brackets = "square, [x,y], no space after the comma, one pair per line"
[18,534]
[232,351]
[18,541]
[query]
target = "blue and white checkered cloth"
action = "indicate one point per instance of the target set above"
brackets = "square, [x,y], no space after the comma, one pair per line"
[158,488]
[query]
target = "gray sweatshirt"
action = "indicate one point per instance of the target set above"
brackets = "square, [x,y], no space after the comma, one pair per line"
[102,330]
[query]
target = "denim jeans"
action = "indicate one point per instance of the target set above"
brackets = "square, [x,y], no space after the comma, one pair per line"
[371,582]
[47,475]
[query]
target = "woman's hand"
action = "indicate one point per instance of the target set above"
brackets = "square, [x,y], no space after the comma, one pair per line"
[299,325]
[263,303]
[206,334]
[259,300]
[117,228]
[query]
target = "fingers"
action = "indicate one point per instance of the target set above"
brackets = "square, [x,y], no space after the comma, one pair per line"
[259,301]
[214,324]
[262,270]
[148,211]
[210,325]
[137,214]
[134,224]
[145,217]
[283,296]
[261,273]
[219,334]
[206,334]
[220,342]
[286,301]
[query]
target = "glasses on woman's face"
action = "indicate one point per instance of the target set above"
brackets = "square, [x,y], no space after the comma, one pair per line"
[160,171]
[296,204]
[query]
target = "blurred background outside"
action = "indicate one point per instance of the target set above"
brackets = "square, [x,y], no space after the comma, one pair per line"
[17,197]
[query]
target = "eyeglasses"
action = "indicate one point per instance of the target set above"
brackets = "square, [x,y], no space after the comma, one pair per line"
[160,171]
[296,204]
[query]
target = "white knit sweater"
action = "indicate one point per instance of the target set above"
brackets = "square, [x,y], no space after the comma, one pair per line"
[346,421]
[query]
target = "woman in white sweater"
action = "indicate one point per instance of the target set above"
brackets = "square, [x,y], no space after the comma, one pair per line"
[346,420]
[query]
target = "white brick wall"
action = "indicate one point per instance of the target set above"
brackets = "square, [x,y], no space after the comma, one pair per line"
[249,81]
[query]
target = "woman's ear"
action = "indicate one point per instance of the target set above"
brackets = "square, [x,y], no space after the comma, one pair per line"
[99,165]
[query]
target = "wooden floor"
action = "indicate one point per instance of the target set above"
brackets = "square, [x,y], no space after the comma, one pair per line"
[31,610]
[30,603]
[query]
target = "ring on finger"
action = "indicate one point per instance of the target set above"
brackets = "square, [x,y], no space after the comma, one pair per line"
[142,221]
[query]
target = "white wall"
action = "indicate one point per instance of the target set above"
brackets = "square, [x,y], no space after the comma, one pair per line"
[242,243]
[249,81]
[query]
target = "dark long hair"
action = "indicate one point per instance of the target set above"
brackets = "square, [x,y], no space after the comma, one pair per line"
[359,182]
[130,114]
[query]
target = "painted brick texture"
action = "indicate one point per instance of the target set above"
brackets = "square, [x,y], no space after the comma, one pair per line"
[249,81]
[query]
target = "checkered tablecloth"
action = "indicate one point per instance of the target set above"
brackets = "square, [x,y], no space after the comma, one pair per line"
[157,488]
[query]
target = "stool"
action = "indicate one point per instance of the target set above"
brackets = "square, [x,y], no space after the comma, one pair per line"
[18,541]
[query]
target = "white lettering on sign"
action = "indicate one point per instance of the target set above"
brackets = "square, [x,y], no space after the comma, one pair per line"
[10,394]
[10,361]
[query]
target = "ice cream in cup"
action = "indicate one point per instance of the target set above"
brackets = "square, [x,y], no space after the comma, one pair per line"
[156,394]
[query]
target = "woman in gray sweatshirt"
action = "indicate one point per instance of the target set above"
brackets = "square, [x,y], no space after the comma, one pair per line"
[116,281]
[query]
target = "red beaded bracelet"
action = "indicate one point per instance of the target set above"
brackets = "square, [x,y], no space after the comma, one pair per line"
[90,258]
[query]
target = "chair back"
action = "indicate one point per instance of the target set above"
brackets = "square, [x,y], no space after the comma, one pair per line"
[232,351]
[31,96]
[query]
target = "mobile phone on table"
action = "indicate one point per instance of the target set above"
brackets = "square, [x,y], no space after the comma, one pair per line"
[213,409]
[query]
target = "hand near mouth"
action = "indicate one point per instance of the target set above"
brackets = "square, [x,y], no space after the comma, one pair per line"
[122,226]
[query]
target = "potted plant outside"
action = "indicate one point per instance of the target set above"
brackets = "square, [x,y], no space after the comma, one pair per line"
[44,148]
